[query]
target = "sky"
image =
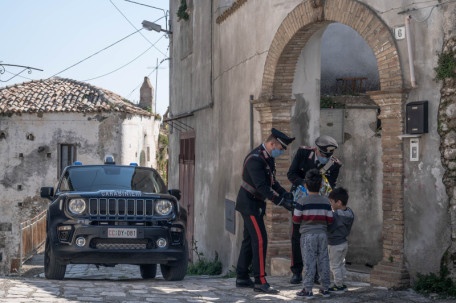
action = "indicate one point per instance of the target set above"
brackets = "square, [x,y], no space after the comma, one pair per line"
[101,42]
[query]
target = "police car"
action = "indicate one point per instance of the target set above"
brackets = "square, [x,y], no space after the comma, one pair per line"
[115,214]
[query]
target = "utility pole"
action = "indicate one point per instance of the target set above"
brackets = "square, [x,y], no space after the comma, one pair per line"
[156,87]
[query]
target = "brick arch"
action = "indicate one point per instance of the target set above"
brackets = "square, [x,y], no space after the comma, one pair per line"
[305,20]
[275,102]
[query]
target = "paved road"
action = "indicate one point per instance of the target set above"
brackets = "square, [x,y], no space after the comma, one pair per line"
[86,283]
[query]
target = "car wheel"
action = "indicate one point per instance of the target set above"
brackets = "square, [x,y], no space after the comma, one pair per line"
[52,269]
[177,270]
[148,271]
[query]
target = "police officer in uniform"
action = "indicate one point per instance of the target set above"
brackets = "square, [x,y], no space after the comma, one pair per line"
[306,158]
[259,185]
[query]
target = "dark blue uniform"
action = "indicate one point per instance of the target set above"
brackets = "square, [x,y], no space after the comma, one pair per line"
[258,185]
[304,160]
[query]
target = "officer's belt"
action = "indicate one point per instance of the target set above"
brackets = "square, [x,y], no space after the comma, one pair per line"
[250,189]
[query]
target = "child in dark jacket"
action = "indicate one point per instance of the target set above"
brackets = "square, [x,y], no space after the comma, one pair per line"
[337,237]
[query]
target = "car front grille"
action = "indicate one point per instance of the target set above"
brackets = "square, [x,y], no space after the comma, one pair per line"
[120,244]
[121,207]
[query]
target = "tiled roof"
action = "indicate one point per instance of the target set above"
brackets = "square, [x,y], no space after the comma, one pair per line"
[62,95]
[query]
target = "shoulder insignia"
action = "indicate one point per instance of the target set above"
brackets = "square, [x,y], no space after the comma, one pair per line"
[306,147]
[336,160]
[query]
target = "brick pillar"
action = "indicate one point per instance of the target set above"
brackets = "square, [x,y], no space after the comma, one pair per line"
[277,113]
[391,271]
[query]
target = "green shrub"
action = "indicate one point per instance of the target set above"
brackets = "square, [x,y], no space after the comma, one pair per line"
[446,66]
[439,284]
[204,266]
[231,273]
[328,102]
[182,11]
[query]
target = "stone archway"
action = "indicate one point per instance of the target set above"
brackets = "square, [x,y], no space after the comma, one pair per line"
[275,102]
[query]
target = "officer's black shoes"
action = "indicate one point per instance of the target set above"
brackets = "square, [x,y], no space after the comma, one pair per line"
[244,283]
[266,288]
[296,279]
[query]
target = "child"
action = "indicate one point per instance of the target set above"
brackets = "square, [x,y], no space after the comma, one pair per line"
[337,237]
[314,214]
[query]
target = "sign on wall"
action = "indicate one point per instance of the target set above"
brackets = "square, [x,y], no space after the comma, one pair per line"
[230,216]
[399,32]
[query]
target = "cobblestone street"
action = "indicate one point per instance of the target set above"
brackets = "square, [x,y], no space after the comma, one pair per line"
[123,283]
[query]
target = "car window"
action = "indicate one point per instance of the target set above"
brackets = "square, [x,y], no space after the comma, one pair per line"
[146,181]
[106,177]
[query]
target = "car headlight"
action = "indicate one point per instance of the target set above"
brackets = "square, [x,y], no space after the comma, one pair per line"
[163,207]
[77,206]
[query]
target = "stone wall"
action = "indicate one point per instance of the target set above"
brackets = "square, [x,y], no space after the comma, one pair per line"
[447,131]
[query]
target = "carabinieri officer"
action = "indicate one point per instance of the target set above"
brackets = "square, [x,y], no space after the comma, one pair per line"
[259,185]
[321,157]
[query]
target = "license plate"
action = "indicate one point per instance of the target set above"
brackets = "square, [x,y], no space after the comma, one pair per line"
[122,232]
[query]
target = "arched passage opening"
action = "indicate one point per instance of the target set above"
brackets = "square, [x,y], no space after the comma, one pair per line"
[277,104]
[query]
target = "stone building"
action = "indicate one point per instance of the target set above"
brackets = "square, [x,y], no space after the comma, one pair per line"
[240,67]
[48,124]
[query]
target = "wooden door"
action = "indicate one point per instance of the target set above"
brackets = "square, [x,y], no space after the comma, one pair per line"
[186,181]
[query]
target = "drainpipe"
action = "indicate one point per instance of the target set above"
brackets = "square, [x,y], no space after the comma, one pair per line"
[251,122]
[409,50]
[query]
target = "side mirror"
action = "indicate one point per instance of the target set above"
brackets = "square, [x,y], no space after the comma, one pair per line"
[176,193]
[47,192]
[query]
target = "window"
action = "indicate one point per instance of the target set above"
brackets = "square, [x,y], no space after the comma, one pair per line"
[112,177]
[67,156]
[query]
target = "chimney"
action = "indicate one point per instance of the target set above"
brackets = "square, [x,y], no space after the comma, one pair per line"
[146,95]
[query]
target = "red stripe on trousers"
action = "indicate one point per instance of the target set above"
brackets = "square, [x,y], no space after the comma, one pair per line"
[260,248]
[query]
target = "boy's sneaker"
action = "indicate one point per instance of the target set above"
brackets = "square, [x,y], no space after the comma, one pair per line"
[308,295]
[337,289]
[324,293]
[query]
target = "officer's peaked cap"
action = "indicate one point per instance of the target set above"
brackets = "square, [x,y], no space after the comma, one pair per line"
[281,137]
[326,144]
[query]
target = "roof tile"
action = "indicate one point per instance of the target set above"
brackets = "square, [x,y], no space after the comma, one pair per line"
[62,95]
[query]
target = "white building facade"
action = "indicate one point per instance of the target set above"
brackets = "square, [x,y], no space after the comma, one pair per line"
[240,67]
[46,125]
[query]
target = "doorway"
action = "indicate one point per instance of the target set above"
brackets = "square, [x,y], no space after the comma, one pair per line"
[187,182]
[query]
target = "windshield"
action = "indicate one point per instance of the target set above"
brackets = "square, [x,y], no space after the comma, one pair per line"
[108,177]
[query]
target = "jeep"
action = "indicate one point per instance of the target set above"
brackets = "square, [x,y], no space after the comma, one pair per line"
[112,214]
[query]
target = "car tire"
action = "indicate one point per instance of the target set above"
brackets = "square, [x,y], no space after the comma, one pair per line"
[148,271]
[177,270]
[52,269]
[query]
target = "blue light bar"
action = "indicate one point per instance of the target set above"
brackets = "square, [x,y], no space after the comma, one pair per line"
[109,159]
[77,163]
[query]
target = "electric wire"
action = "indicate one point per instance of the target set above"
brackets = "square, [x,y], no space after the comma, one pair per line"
[165,12]
[146,5]
[156,67]
[414,9]
[20,76]
[131,23]
[153,45]
[425,19]
[96,53]
[401,7]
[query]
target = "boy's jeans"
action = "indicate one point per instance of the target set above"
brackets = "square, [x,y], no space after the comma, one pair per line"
[337,255]
[314,249]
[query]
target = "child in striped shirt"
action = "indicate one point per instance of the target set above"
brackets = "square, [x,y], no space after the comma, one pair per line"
[314,214]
